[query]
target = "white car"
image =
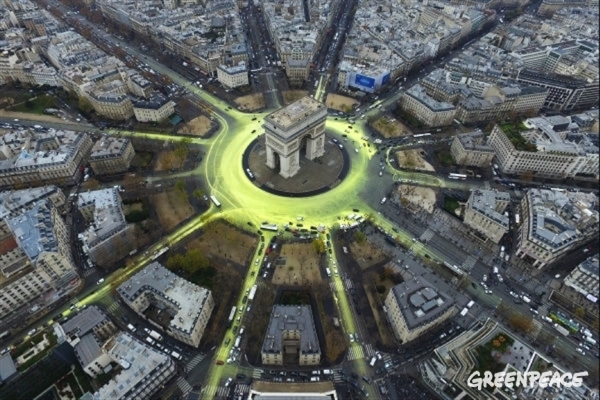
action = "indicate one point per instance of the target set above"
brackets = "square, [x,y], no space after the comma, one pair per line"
[580,351]
[100,281]
[485,277]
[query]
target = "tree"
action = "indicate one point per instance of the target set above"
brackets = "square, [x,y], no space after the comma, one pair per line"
[319,246]
[360,237]
[580,312]
[84,105]
[198,193]
[521,323]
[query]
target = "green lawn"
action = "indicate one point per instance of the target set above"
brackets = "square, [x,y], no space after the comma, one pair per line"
[450,205]
[36,105]
[444,157]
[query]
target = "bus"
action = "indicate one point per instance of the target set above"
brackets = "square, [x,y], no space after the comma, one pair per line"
[214,200]
[231,316]
[269,227]
[558,190]
[462,177]
[422,135]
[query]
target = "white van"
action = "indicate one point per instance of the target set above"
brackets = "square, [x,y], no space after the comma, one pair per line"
[470,304]
[373,361]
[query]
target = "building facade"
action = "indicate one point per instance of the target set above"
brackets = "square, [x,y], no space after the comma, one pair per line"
[471,149]
[553,223]
[189,305]
[414,306]
[484,212]
[584,279]
[426,109]
[291,333]
[291,129]
[233,76]
[111,155]
[156,109]
[36,158]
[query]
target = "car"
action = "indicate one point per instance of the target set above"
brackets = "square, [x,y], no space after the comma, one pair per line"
[485,277]
[100,281]
[580,351]
[32,332]
[488,291]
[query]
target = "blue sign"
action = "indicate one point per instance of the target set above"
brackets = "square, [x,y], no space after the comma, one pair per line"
[364,81]
[385,79]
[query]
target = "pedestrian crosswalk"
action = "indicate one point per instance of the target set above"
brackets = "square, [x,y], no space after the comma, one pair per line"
[427,235]
[195,361]
[336,286]
[337,377]
[242,388]
[387,358]
[355,353]
[89,271]
[257,373]
[184,386]
[222,392]
[208,391]
[113,307]
[468,264]
[369,350]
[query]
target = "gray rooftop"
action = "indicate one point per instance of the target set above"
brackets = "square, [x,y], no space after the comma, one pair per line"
[474,141]
[108,215]
[13,202]
[486,202]
[109,147]
[33,230]
[7,367]
[142,362]
[87,350]
[186,298]
[418,93]
[419,302]
[560,219]
[84,321]
[294,318]
[591,265]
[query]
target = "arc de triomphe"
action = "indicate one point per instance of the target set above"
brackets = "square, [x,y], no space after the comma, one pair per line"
[289,129]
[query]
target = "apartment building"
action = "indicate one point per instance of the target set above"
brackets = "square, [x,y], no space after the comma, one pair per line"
[156,109]
[553,223]
[111,155]
[86,332]
[108,237]
[471,149]
[143,370]
[35,158]
[189,305]
[484,212]
[115,106]
[47,273]
[537,148]
[297,71]
[564,92]
[233,76]
[584,279]
[426,109]
[291,335]
[415,306]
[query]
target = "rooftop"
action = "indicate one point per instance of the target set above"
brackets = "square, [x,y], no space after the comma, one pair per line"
[486,202]
[185,298]
[109,147]
[12,202]
[84,321]
[108,215]
[291,318]
[139,362]
[34,230]
[419,302]
[290,115]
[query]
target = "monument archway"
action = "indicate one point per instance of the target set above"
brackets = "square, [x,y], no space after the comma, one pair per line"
[286,131]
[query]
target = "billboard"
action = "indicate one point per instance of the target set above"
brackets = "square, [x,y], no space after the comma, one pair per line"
[364,81]
[385,79]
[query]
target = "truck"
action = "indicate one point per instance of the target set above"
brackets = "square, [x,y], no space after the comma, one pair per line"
[561,329]
[252,292]
[131,327]
[328,272]
[470,304]
[464,312]
[526,299]
[176,355]
[590,340]
[237,341]
[156,335]
[373,361]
